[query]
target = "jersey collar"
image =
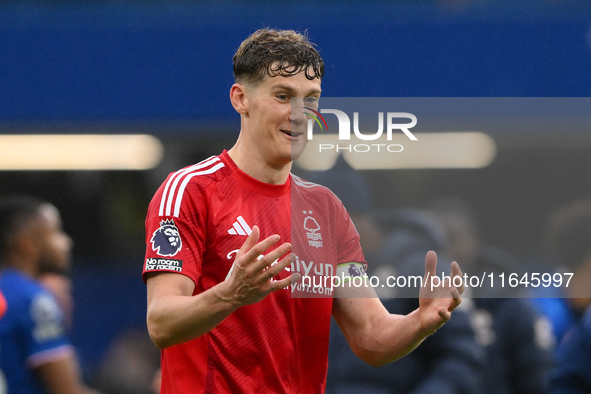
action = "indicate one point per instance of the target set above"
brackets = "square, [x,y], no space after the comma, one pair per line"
[254,184]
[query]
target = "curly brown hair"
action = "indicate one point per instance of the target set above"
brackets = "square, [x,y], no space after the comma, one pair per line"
[269,52]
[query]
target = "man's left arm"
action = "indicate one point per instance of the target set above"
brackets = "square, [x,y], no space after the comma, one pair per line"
[378,337]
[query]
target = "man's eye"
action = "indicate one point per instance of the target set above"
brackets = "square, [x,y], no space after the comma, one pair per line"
[311,101]
[283,97]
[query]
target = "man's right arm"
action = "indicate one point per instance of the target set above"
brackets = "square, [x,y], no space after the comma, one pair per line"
[176,316]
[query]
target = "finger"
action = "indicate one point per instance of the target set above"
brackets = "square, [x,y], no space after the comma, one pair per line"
[444,314]
[430,264]
[260,248]
[456,299]
[271,257]
[280,284]
[277,268]
[251,241]
[456,271]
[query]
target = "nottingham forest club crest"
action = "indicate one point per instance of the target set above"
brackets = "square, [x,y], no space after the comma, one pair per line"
[166,241]
[312,227]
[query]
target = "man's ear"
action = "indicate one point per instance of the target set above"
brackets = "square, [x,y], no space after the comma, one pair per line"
[239,98]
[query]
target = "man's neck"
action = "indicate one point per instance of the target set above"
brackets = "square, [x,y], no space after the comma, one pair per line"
[253,164]
[24,268]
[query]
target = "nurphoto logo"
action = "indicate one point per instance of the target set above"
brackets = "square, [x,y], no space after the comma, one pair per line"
[345,128]
[345,124]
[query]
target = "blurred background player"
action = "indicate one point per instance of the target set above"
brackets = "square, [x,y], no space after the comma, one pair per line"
[571,374]
[568,244]
[36,355]
[568,309]
[129,365]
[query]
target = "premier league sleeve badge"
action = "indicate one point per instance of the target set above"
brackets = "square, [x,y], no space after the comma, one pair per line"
[166,240]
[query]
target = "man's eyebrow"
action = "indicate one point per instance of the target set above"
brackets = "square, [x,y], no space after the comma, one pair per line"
[292,91]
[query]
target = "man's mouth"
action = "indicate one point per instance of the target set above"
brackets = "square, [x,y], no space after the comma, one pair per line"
[292,134]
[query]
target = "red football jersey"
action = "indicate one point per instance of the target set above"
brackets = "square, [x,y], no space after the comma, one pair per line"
[196,223]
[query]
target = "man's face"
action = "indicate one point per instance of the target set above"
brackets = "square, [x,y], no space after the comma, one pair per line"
[54,244]
[277,123]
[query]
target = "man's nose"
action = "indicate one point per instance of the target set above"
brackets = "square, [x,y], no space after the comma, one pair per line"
[297,111]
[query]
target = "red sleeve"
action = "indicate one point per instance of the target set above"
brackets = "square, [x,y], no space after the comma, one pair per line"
[349,249]
[175,243]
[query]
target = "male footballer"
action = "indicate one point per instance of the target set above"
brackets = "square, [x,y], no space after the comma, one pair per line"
[231,239]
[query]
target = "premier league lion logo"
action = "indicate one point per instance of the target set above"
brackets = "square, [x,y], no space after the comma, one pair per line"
[166,241]
[354,270]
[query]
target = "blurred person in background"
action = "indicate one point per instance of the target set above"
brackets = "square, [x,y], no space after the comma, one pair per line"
[567,241]
[130,364]
[517,340]
[36,355]
[572,373]
[447,363]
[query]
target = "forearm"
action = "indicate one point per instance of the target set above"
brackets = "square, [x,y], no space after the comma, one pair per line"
[173,319]
[376,336]
[391,337]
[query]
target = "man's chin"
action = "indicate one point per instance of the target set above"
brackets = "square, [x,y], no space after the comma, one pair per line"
[297,148]
[61,268]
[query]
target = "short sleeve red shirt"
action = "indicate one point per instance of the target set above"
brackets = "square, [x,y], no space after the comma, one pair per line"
[196,223]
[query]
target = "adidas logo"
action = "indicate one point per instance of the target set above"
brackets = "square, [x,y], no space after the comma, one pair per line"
[240,227]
